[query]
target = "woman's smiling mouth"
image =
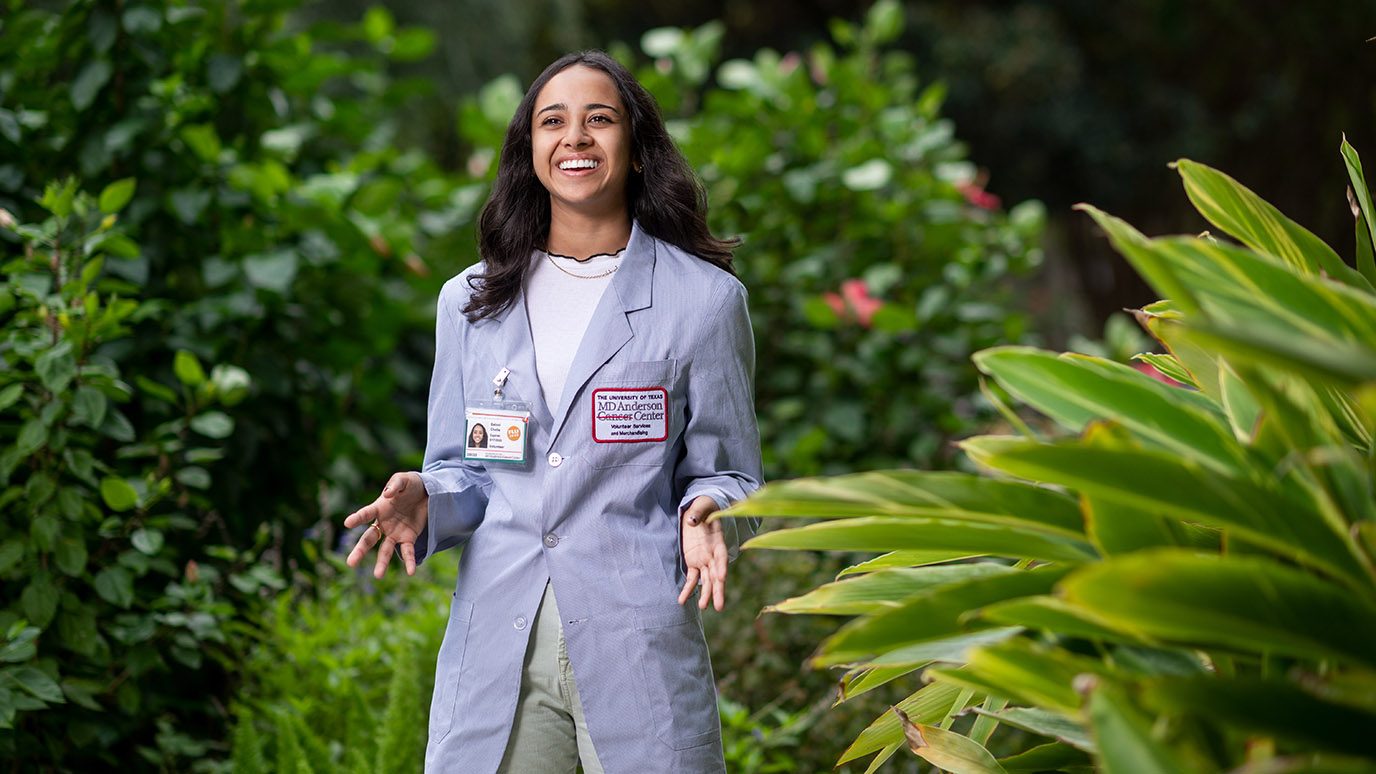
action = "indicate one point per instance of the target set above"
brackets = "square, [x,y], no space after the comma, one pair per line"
[578,167]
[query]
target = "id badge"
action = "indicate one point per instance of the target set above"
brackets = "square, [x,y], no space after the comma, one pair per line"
[496,431]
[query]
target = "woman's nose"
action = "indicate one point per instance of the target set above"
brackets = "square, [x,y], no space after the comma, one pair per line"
[576,136]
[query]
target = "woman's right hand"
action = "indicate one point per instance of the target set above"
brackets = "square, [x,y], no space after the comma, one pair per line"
[400,512]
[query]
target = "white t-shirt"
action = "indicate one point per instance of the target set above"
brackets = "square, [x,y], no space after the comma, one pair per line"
[561,295]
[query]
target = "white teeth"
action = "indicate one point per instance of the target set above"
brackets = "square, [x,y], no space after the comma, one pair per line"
[578,164]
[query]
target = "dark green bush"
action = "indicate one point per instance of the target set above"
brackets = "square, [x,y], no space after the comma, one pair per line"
[109,588]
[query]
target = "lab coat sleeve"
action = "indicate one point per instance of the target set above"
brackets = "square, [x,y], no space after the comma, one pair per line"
[458,490]
[721,457]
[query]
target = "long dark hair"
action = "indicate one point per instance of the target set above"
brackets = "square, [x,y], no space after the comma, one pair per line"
[665,196]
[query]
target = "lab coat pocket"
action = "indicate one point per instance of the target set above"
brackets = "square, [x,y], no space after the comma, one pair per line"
[678,676]
[632,407]
[450,668]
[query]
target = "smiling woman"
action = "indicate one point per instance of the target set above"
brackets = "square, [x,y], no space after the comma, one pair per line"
[610,321]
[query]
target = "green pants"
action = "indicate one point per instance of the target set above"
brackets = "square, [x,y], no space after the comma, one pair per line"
[549,734]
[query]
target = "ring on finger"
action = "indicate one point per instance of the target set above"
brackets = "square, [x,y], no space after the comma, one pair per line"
[380,534]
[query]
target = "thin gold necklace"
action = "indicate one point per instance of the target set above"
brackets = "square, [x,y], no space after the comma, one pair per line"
[606,273]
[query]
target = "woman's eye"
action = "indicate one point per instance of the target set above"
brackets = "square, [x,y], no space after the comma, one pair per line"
[600,119]
[549,121]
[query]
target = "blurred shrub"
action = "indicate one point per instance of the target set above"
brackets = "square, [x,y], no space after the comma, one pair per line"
[267,226]
[341,679]
[875,260]
[110,584]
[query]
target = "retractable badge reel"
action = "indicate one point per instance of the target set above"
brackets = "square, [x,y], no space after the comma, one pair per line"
[497,429]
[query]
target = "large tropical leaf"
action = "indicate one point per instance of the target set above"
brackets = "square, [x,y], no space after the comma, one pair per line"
[929,704]
[916,558]
[1245,604]
[1234,208]
[933,616]
[1076,389]
[1366,226]
[958,537]
[915,493]
[1123,736]
[1177,487]
[1026,673]
[1269,707]
[947,750]
[883,590]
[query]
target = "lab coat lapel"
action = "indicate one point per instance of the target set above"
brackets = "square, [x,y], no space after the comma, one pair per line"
[512,347]
[609,329]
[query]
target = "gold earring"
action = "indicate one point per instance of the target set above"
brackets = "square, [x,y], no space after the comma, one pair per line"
[635,166]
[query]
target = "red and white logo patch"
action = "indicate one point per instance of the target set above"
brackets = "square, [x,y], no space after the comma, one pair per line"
[630,414]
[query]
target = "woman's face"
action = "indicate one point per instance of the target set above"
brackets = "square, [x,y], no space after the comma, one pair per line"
[581,141]
[478,434]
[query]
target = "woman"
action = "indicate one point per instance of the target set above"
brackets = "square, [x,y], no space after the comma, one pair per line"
[478,438]
[605,305]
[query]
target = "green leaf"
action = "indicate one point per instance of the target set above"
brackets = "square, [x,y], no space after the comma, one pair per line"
[273,271]
[1048,757]
[947,750]
[881,590]
[929,704]
[1266,707]
[39,600]
[188,368]
[114,585]
[903,559]
[1168,365]
[1076,389]
[1366,242]
[879,534]
[213,424]
[22,645]
[88,406]
[147,540]
[1235,209]
[1180,488]
[936,614]
[1119,528]
[11,551]
[661,41]
[1024,672]
[89,82]
[1124,738]
[118,494]
[116,195]
[1040,721]
[909,493]
[884,21]
[37,683]
[33,434]
[70,555]
[56,367]
[1054,615]
[10,395]
[860,681]
[1246,603]
[869,176]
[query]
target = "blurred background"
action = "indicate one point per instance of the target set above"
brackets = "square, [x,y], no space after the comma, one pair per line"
[226,223]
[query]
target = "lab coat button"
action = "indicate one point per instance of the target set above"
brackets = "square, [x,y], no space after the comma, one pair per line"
[520,622]
[551,540]
[555,460]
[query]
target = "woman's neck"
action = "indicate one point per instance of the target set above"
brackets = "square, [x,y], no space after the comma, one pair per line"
[579,235]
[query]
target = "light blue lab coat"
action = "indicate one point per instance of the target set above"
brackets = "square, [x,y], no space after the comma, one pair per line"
[598,520]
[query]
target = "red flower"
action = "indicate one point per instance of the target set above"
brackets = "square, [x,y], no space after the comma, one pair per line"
[854,302]
[979,197]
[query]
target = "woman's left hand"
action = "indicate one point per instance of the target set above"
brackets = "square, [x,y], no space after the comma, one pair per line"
[704,553]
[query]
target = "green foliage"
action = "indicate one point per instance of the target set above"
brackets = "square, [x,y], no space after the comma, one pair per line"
[1197,588]
[341,680]
[877,264]
[179,409]
[109,585]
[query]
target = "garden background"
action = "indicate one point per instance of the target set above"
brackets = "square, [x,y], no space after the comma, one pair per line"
[225,224]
